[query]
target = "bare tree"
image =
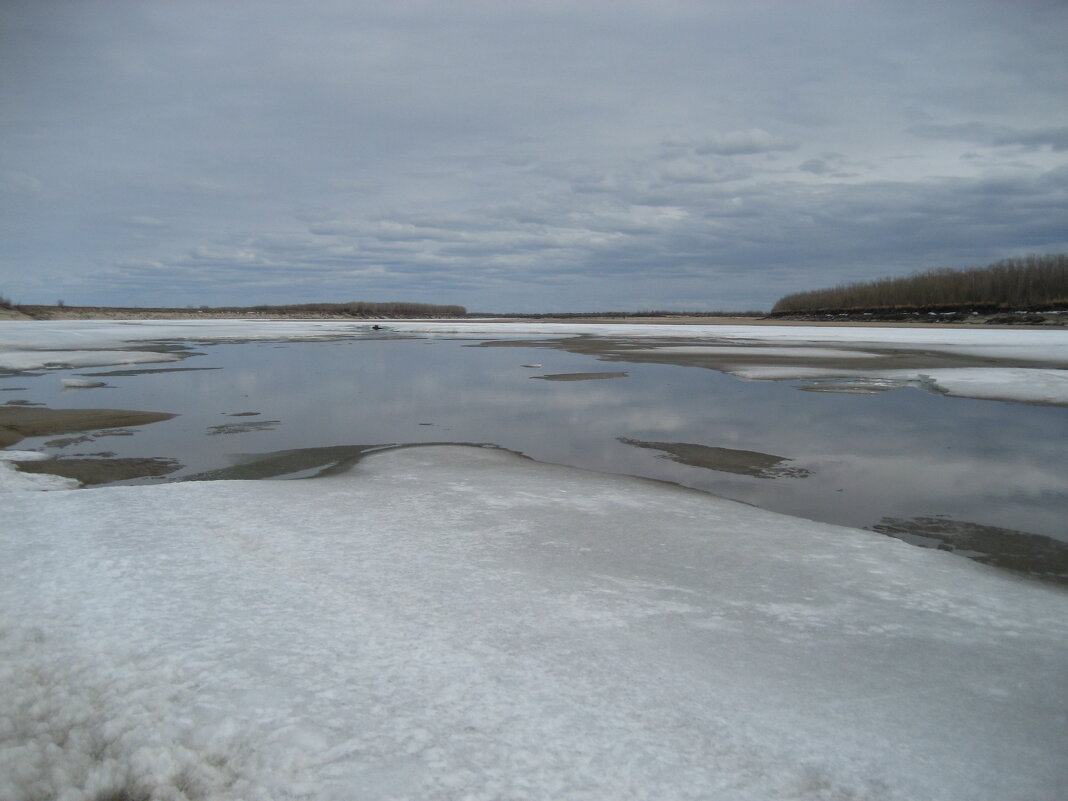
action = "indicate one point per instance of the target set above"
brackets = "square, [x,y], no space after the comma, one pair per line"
[1035,282]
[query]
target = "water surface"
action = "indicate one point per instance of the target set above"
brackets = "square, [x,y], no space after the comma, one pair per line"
[859,460]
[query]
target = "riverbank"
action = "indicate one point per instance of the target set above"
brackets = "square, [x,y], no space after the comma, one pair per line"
[955,320]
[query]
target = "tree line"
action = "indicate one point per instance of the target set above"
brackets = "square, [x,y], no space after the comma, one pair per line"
[350,309]
[1034,282]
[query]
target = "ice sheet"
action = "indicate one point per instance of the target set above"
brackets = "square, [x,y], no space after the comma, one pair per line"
[1004,343]
[452,623]
[798,352]
[31,345]
[1042,346]
[1016,384]
[38,359]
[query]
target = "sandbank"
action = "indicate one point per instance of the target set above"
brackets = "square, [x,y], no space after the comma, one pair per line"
[725,460]
[18,422]
[100,470]
[579,376]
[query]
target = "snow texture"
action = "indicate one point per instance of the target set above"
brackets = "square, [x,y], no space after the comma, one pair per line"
[461,623]
[80,383]
[1017,384]
[785,353]
[49,359]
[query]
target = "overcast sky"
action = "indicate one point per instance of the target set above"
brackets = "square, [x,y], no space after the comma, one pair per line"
[522,156]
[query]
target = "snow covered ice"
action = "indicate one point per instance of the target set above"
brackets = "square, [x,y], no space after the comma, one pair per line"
[461,623]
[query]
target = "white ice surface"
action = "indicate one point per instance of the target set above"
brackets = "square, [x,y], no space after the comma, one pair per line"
[1022,344]
[23,456]
[1012,384]
[1018,384]
[798,352]
[38,359]
[459,623]
[1040,345]
[80,383]
[31,345]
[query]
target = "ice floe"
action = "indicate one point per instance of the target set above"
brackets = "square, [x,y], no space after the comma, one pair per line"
[81,383]
[798,352]
[1018,384]
[51,359]
[447,622]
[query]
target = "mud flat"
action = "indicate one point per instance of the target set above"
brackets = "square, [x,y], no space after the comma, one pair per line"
[726,460]
[580,376]
[19,422]
[104,470]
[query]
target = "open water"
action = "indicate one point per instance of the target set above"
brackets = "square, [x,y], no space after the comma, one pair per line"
[903,458]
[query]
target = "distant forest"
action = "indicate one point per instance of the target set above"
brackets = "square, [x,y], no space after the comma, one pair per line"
[395,309]
[1032,283]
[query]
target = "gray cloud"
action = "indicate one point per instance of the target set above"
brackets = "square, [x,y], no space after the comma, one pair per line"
[520,156]
[742,143]
[1055,138]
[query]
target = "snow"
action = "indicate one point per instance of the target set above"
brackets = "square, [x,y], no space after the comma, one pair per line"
[38,359]
[80,383]
[1011,384]
[23,456]
[32,345]
[1010,343]
[1042,345]
[461,623]
[762,351]
[1015,384]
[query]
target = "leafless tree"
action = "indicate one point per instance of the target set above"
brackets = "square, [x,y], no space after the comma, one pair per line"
[1035,282]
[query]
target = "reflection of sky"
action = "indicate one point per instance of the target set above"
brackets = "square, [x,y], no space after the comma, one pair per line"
[897,454]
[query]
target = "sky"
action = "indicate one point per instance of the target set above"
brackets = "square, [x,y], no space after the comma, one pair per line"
[522,156]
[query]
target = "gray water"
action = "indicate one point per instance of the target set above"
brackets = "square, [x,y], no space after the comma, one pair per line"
[859,460]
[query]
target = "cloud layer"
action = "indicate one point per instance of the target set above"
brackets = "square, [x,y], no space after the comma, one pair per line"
[536,156]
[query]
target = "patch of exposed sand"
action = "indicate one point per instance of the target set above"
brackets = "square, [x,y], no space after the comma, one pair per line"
[579,376]
[726,460]
[18,422]
[100,471]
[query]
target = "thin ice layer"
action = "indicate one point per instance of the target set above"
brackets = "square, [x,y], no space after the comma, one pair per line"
[1017,384]
[48,359]
[451,623]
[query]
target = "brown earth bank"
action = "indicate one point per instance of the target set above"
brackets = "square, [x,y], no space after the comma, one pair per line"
[18,422]
[579,376]
[102,470]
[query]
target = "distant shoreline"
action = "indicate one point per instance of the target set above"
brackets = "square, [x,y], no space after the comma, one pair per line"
[126,313]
